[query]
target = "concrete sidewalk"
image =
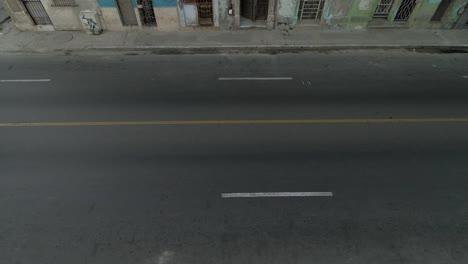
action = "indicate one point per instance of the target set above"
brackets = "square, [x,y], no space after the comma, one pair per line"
[224,41]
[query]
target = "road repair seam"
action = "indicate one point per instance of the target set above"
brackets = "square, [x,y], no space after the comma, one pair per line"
[236,122]
[275,194]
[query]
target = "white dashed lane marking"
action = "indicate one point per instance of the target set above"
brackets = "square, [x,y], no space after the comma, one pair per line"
[275,194]
[27,80]
[255,78]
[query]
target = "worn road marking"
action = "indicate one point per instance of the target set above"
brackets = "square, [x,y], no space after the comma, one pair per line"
[254,78]
[466,76]
[27,80]
[235,122]
[275,194]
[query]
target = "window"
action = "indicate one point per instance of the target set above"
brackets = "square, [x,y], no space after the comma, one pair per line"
[63,3]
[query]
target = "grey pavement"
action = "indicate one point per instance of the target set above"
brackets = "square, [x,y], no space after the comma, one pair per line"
[225,41]
[152,194]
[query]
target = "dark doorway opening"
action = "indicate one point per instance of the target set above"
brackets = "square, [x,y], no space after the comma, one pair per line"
[253,11]
[145,8]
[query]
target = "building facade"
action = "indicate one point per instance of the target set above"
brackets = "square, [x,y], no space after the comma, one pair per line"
[174,15]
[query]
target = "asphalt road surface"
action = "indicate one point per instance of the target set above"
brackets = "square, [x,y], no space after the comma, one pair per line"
[143,182]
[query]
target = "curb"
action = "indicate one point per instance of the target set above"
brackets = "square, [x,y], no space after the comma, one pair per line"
[264,49]
[457,48]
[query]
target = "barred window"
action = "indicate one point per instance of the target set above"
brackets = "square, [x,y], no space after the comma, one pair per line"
[204,9]
[63,3]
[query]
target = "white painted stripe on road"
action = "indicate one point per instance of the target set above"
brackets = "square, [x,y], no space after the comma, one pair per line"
[466,76]
[275,194]
[254,78]
[27,80]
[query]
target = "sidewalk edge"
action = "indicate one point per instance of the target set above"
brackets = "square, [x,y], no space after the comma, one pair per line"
[461,48]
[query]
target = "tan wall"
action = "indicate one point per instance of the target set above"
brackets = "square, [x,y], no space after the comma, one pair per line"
[18,14]
[63,18]
[111,19]
[167,18]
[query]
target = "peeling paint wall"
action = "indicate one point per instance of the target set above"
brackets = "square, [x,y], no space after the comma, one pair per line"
[356,15]
[68,17]
[226,21]
[165,11]
[19,15]
[450,18]
[361,13]
[3,12]
[287,12]
[422,13]
[335,14]
[167,19]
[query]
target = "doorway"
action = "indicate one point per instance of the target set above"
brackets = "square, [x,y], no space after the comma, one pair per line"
[146,11]
[37,12]
[253,13]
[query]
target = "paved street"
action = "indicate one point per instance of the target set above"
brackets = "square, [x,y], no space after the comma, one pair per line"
[111,192]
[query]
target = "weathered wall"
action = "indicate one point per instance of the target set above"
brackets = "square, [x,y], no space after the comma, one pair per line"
[424,10]
[422,14]
[68,18]
[167,18]
[21,18]
[19,15]
[355,15]
[335,14]
[287,12]
[3,12]
[63,18]
[361,13]
[185,24]
[226,21]
[111,19]
[449,19]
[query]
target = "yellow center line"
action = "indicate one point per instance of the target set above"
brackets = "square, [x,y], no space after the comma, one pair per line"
[234,122]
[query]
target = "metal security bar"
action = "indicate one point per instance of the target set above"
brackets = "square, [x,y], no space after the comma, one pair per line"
[204,9]
[63,3]
[205,12]
[145,8]
[311,9]
[383,8]
[405,10]
[37,12]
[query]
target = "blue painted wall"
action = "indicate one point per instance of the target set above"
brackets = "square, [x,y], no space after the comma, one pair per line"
[156,3]
[107,3]
[164,3]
